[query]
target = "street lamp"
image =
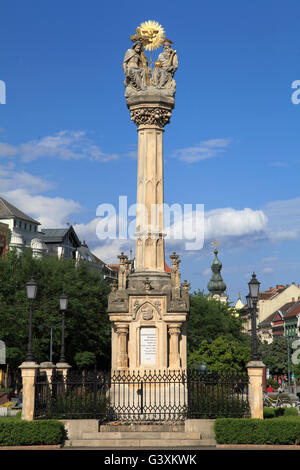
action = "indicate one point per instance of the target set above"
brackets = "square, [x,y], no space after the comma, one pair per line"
[202,368]
[45,325]
[31,291]
[63,302]
[252,299]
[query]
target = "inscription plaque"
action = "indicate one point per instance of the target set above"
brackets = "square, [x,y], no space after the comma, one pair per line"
[148,345]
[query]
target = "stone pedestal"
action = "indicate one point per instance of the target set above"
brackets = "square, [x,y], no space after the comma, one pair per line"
[28,370]
[255,372]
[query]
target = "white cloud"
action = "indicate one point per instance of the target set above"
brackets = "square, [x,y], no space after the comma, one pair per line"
[267,270]
[202,151]
[11,179]
[284,219]
[50,212]
[229,222]
[7,150]
[269,259]
[110,249]
[65,145]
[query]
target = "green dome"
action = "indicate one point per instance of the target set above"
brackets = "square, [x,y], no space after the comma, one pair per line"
[216,284]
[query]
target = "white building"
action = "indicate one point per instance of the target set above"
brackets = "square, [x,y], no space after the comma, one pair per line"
[23,229]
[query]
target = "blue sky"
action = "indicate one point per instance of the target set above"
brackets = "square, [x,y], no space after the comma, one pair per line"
[67,143]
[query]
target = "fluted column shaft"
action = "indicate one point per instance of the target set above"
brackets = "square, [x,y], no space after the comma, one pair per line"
[150,120]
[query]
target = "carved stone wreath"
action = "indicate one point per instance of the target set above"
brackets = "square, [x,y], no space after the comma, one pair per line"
[151,116]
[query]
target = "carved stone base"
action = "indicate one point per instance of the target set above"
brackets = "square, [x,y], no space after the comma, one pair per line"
[149,329]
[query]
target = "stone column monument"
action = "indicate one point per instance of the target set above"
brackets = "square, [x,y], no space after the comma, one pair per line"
[148,307]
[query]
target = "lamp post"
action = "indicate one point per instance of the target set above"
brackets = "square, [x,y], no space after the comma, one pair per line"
[63,301]
[252,299]
[31,291]
[51,327]
[202,368]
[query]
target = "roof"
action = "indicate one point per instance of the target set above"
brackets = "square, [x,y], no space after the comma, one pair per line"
[272,292]
[8,211]
[167,269]
[57,235]
[294,310]
[114,267]
[284,311]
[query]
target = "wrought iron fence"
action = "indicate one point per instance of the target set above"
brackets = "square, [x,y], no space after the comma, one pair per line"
[152,396]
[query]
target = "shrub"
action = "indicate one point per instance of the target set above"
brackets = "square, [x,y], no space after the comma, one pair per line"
[290,411]
[14,432]
[257,431]
[276,412]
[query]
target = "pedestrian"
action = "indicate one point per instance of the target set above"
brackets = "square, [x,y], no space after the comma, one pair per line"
[270,389]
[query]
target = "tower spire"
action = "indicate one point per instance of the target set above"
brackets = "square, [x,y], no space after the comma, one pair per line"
[216,285]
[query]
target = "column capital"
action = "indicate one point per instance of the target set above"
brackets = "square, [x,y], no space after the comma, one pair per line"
[122,328]
[154,115]
[174,328]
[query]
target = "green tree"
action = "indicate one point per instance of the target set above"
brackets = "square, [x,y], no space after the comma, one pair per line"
[215,335]
[275,355]
[209,319]
[222,354]
[86,321]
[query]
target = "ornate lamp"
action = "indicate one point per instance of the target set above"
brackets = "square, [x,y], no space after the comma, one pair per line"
[63,302]
[31,291]
[252,299]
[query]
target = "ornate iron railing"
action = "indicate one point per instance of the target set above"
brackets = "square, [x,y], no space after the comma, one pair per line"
[152,396]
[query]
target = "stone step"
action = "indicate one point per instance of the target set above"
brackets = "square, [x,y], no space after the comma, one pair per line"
[142,427]
[139,443]
[141,435]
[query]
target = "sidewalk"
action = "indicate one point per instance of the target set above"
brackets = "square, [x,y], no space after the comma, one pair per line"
[217,447]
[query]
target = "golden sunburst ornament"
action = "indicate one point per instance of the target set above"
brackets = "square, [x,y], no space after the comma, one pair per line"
[153,33]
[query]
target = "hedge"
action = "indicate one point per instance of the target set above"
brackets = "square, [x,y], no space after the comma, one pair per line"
[14,432]
[276,412]
[257,431]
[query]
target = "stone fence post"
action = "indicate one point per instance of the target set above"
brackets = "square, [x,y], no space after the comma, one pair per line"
[63,367]
[29,371]
[255,373]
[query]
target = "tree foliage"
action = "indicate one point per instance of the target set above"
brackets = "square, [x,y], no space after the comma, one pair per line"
[275,355]
[223,354]
[215,335]
[87,327]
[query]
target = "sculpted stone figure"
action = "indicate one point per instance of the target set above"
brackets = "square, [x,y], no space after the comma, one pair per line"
[165,67]
[135,68]
[139,78]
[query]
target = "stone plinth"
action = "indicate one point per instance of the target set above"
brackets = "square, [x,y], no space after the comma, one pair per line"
[255,393]
[29,371]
